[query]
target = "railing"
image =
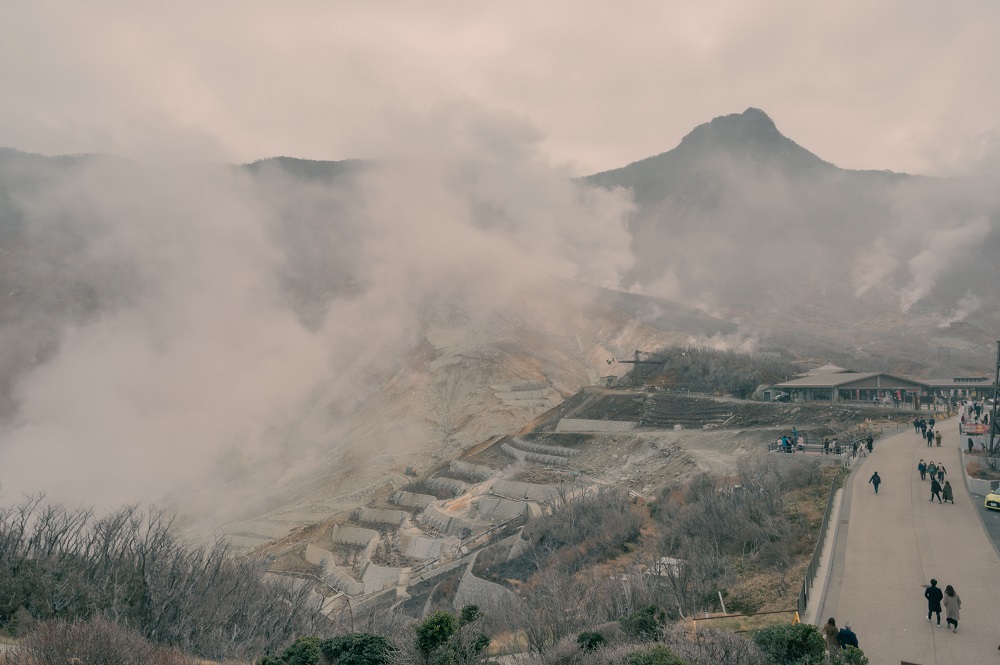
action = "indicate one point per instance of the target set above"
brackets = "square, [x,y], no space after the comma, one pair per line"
[807,583]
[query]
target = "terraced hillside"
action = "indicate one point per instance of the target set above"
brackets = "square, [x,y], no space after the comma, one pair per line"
[413,540]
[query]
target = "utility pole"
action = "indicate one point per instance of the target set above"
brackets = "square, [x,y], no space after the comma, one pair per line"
[993,415]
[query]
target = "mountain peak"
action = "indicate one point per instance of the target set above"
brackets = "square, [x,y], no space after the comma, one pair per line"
[750,130]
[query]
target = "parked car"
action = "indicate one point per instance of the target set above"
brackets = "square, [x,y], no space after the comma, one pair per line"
[992,501]
[781,397]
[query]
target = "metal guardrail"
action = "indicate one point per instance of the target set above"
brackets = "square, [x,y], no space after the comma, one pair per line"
[807,583]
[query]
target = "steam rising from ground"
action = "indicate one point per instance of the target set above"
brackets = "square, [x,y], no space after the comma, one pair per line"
[198,372]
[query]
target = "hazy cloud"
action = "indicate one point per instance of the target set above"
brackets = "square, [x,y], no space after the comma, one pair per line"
[889,84]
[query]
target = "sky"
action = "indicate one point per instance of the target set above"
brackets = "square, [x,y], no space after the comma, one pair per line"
[905,85]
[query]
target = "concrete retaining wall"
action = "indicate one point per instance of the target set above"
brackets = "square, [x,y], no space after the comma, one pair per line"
[543,449]
[411,500]
[381,516]
[583,425]
[452,485]
[332,574]
[352,535]
[420,547]
[496,510]
[477,471]
[475,591]
[377,578]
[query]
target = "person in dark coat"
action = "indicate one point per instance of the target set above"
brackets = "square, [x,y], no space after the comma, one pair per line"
[847,638]
[922,468]
[935,489]
[916,425]
[947,494]
[875,480]
[933,595]
[940,473]
[870,441]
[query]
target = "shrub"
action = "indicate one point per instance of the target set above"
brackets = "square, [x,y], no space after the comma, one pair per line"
[435,632]
[799,644]
[658,655]
[303,651]
[645,624]
[591,641]
[358,649]
[97,641]
[850,655]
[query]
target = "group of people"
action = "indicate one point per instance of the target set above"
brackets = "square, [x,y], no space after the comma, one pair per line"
[837,639]
[940,488]
[951,601]
[972,412]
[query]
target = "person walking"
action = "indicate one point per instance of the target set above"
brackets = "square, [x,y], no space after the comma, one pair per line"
[916,425]
[870,441]
[931,469]
[952,604]
[830,635]
[922,468]
[940,473]
[947,494]
[937,438]
[847,637]
[875,480]
[935,489]
[933,595]
[930,438]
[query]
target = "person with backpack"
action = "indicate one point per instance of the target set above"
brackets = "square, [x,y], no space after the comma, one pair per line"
[875,480]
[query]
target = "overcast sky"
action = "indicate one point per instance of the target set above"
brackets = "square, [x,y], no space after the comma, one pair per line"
[907,85]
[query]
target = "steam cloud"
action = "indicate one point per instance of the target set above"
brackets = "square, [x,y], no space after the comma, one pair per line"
[197,372]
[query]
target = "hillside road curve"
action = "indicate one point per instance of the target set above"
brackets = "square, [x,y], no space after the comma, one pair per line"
[890,545]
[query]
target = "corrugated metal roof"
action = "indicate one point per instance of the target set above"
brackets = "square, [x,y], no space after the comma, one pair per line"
[831,380]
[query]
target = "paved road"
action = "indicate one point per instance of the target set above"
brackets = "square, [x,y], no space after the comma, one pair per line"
[891,544]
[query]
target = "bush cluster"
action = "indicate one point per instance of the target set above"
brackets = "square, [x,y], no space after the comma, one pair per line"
[130,567]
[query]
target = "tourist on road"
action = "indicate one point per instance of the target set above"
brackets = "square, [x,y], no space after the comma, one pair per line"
[847,638]
[916,425]
[932,469]
[875,480]
[930,438]
[870,441]
[937,438]
[952,603]
[940,473]
[947,493]
[922,468]
[933,595]
[830,633]
[935,489]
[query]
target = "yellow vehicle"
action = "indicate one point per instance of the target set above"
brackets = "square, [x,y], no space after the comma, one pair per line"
[993,500]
